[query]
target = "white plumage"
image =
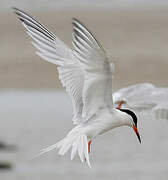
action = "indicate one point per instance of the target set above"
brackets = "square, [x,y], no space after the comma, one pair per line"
[86,73]
[144,97]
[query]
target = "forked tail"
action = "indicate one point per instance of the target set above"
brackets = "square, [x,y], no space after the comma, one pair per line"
[78,142]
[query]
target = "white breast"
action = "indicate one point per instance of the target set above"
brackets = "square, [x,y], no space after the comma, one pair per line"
[105,121]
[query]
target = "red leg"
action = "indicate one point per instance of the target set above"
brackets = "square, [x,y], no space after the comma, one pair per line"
[120,104]
[89,143]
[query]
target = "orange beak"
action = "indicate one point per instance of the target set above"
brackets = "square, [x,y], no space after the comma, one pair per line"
[137,133]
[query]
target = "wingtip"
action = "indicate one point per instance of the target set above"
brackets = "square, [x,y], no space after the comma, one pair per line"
[15,9]
[75,20]
[18,11]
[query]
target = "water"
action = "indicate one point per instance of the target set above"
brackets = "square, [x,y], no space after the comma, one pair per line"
[33,120]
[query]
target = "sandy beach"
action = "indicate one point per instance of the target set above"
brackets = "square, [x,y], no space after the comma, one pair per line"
[137,41]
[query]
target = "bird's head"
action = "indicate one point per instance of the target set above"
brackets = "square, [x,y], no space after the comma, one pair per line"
[132,121]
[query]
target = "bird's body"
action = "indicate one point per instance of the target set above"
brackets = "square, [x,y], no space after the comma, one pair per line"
[103,121]
[86,73]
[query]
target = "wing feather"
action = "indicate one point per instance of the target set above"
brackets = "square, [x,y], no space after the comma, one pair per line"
[52,49]
[98,72]
[144,97]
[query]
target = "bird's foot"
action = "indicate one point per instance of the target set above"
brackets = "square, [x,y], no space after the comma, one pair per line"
[89,143]
[120,104]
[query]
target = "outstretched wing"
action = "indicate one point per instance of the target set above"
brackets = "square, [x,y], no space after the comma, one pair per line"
[53,50]
[98,72]
[161,111]
[160,96]
[144,97]
[136,97]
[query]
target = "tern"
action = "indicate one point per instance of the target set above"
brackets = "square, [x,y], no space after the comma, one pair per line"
[86,73]
[144,97]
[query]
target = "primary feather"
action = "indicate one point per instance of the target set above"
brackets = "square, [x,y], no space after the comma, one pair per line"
[98,72]
[53,50]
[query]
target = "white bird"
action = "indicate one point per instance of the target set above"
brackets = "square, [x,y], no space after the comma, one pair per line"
[86,73]
[143,97]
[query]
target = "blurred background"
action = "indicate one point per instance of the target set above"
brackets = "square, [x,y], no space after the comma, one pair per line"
[36,112]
